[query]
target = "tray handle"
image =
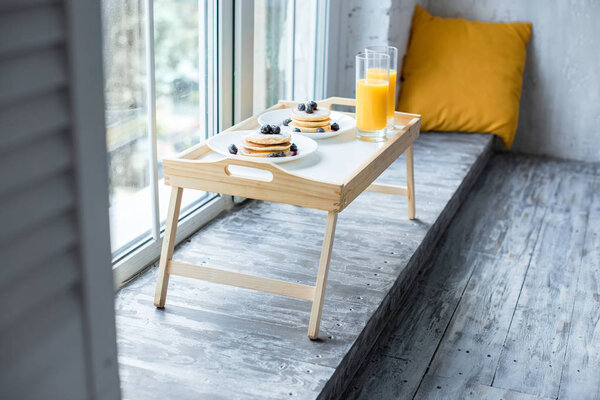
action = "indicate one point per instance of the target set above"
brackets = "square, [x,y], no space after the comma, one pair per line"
[270,167]
[283,187]
[219,168]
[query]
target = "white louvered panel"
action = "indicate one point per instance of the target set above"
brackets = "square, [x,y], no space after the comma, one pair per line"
[28,29]
[32,74]
[11,5]
[21,122]
[25,209]
[51,104]
[45,281]
[38,161]
[46,352]
[23,253]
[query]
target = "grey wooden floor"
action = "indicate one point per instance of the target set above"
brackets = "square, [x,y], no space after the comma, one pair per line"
[214,341]
[510,306]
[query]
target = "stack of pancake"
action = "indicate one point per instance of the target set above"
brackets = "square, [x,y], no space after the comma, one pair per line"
[318,119]
[257,144]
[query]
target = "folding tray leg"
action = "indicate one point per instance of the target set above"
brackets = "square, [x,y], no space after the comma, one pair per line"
[410,182]
[166,253]
[317,306]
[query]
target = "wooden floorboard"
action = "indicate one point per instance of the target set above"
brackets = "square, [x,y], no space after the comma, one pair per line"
[213,341]
[423,322]
[474,339]
[535,345]
[518,316]
[580,375]
[483,392]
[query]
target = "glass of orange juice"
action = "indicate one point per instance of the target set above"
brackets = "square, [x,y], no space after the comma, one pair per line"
[372,85]
[393,68]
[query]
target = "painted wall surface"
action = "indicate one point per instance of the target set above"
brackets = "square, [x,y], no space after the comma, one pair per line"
[356,24]
[560,102]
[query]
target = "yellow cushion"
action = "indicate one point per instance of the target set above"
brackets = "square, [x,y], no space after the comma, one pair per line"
[464,76]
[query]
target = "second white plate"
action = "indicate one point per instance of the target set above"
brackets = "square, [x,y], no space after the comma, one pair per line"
[276,117]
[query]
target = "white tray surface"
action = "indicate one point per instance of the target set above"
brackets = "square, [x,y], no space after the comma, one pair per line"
[335,159]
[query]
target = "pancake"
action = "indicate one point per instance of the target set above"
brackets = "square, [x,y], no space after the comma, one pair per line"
[304,124]
[299,118]
[250,153]
[326,128]
[320,114]
[272,149]
[259,138]
[262,146]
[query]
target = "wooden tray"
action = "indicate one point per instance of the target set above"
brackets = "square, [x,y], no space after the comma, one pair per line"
[329,179]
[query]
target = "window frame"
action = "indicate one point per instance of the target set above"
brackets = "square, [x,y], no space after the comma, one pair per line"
[219,31]
[232,91]
[244,54]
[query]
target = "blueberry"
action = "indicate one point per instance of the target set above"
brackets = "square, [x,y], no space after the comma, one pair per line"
[335,126]
[265,129]
[320,130]
[301,107]
[293,147]
[296,129]
[313,104]
[232,148]
[275,130]
[309,109]
[280,154]
[287,121]
[272,155]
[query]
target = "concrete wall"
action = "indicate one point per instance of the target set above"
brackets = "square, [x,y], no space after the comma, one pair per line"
[355,24]
[560,103]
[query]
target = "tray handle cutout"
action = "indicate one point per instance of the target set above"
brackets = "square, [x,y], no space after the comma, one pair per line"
[250,173]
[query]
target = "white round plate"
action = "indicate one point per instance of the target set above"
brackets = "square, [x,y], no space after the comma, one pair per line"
[276,117]
[219,143]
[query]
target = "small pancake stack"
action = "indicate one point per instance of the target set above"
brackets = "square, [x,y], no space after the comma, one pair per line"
[310,118]
[269,142]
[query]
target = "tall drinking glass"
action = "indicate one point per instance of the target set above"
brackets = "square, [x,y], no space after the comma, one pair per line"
[372,83]
[393,68]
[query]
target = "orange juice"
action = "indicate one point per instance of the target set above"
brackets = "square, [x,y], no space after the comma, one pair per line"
[377,73]
[371,104]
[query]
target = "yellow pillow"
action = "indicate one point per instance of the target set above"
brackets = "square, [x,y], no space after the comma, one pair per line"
[464,75]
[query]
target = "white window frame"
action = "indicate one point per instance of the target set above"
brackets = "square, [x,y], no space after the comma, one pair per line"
[322,49]
[128,266]
[244,54]
[233,69]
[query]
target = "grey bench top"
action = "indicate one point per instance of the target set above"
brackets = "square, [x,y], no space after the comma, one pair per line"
[214,341]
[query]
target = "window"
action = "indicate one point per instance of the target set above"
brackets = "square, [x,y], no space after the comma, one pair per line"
[126,121]
[169,75]
[160,99]
[289,48]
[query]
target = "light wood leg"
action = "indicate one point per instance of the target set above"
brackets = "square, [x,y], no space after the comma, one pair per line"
[166,253]
[410,182]
[317,306]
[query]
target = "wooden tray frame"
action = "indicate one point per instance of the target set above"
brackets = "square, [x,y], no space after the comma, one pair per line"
[185,171]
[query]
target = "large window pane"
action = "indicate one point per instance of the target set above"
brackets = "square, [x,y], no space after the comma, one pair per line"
[272,52]
[284,51]
[126,113]
[180,58]
[305,50]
